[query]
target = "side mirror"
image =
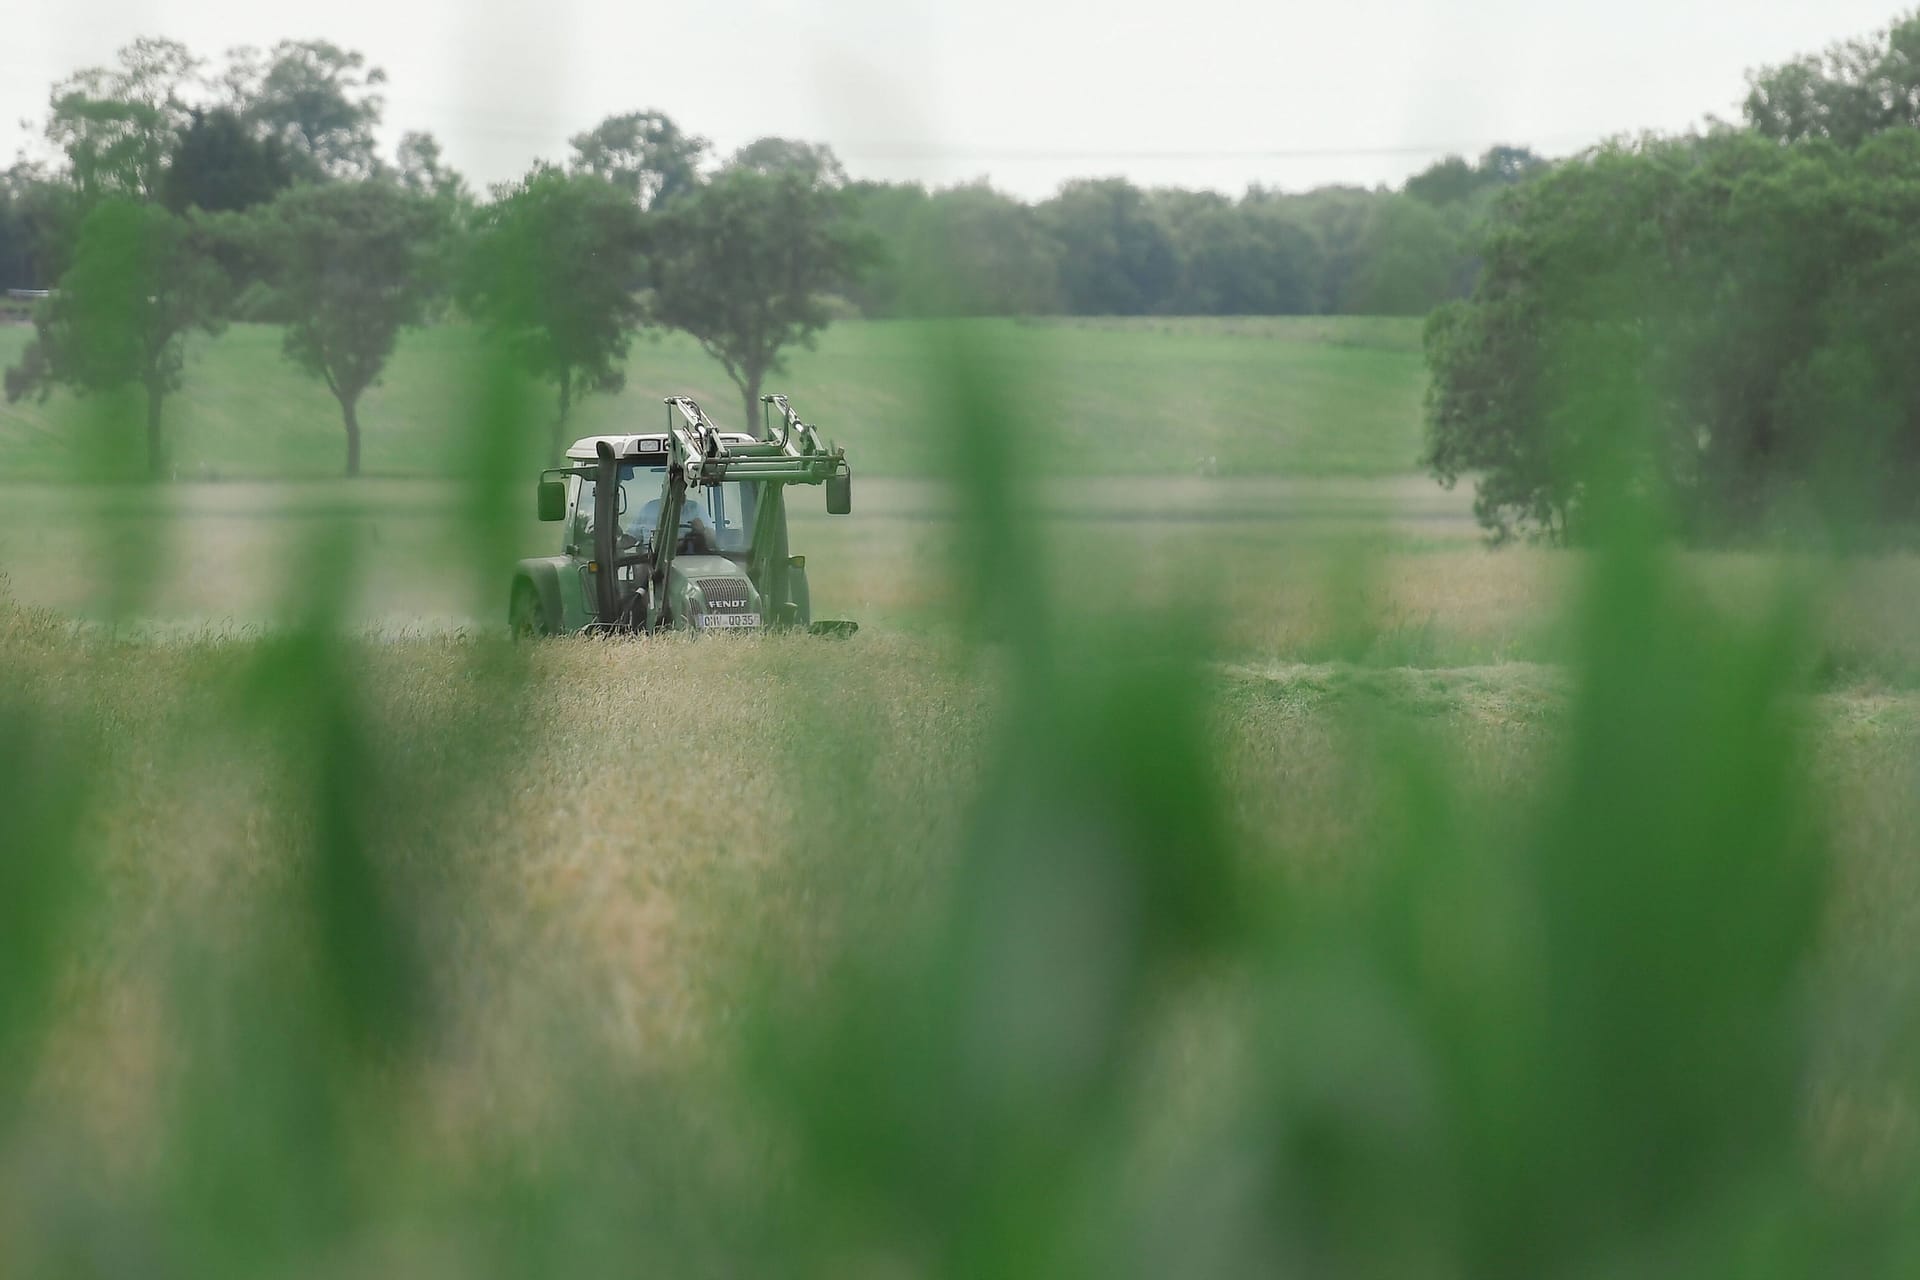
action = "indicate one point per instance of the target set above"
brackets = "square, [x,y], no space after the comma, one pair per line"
[552,500]
[840,493]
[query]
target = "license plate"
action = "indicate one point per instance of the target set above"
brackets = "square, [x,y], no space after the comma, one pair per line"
[729,620]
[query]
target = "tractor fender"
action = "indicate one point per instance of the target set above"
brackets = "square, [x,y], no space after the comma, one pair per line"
[544,576]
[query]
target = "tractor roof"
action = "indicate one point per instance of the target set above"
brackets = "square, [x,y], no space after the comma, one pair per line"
[649,447]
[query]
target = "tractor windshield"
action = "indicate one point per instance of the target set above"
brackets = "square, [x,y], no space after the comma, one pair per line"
[723,508]
[730,514]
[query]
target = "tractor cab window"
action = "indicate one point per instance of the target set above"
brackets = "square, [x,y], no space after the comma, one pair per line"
[580,520]
[725,510]
[730,515]
[634,490]
[721,509]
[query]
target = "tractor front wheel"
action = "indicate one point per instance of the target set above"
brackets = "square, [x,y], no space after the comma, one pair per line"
[525,617]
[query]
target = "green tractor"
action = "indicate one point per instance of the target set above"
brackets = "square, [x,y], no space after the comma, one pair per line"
[681,530]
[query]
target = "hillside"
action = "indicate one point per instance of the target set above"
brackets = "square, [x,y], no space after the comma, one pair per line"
[1265,396]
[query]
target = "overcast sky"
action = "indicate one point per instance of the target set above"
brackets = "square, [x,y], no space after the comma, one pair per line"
[1205,93]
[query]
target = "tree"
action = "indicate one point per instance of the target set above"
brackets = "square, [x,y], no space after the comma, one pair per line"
[219,166]
[1409,259]
[423,172]
[317,100]
[1506,165]
[1115,257]
[1247,259]
[120,125]
[891,213]
[813,161]
[985,253]
[745,265]
[1338,218]
[1453,181]
[354,264]
[38,219]
[141,280]
[1847,94]
[1722,319]
[552,274]
[644,153]
[1448,181]
[968,250]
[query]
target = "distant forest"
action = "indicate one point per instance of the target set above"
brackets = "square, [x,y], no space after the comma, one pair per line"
[168,127]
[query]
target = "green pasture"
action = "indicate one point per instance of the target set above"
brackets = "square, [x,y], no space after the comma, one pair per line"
[1258,396]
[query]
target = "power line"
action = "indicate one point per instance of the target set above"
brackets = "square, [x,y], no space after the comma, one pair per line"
[909,151]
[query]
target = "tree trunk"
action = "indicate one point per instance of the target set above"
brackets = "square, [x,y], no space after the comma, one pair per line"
[156,459]
[350,412]
[560,440]
[756,425]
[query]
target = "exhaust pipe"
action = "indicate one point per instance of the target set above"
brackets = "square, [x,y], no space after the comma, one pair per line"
[606,518]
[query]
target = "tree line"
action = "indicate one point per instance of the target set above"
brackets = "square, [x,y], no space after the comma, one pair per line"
[187,199]
[1729,317]
[1107,247]
[189,195]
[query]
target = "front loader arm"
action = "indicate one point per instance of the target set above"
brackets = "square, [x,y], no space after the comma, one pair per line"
[666,540]
[767,559]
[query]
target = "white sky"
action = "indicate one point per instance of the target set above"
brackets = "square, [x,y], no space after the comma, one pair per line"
[1204,93]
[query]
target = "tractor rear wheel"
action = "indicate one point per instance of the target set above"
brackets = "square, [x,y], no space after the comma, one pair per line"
[525,617]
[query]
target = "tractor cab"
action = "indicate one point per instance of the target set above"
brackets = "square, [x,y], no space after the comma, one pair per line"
[683,529]
[718,520]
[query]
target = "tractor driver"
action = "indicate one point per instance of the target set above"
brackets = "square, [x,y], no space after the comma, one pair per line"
[693,522]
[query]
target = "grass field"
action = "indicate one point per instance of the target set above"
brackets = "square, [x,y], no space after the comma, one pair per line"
[1307,397]
[1245,873]
[614,861]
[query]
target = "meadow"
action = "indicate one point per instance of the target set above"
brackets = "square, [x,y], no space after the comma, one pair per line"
[1178,874]
[1267,396]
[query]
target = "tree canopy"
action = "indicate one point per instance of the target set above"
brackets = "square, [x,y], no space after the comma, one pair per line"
[141,279]
[644,153]
[1848,93]
[1720,317]
[119,125]
[745,264]
[813,161]
[220,166]
[553,272]
[354,264]
[424,172]
[39,219]
[318,101]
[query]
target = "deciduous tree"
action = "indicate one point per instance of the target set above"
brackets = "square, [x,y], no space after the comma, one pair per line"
[745,265]
[141,280]
[553,272]
[219,166]
[644,153]
[813,161]
[118,126]
[424,172]
[1723,319]
[1116,257]
[39,217]
[354,264]
[319,101]
[1853,90]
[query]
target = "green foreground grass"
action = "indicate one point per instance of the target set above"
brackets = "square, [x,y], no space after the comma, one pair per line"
[1302,397]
